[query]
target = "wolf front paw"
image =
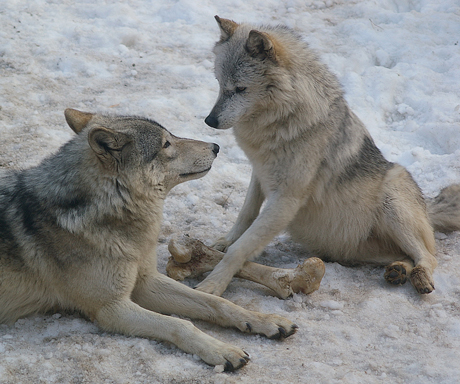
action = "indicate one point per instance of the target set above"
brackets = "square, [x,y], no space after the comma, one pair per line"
[213,286]
[217,281]
[221,244]
[226,355]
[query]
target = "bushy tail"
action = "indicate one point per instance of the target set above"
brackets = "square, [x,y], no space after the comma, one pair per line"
[444,209]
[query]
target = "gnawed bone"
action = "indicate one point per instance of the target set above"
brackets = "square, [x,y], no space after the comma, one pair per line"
[191,258]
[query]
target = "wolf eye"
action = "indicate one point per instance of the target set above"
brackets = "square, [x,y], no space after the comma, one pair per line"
[240,89]
[166,144]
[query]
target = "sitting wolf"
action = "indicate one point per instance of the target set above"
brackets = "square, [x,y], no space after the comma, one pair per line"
[315,165]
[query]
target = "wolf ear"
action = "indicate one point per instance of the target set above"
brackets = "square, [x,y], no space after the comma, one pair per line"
[260,45]
[77,120]
[227,28]
[108,144]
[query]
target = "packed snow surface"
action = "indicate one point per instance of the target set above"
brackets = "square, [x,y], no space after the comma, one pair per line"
[399,63]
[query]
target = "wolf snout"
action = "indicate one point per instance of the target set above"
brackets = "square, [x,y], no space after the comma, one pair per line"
[215,148]
[212,121]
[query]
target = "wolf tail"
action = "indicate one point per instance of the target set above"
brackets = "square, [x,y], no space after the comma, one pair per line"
[444,209]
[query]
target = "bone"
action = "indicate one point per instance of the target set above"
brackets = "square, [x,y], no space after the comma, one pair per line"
[191,258]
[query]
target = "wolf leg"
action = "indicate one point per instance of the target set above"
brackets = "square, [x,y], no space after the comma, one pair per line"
[276,215]
[129,318]
[420,253]
[417,246]
[161,294]
[249,211]
[191,258]
[406,223]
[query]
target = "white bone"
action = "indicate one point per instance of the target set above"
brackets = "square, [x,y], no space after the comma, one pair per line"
[191,258]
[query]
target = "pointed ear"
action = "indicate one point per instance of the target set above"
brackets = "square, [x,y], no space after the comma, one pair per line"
[227,28]
[77,120]
[108,144]
[260,45]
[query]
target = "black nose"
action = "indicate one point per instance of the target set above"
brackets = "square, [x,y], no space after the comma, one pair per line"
[215,149]
[212,121]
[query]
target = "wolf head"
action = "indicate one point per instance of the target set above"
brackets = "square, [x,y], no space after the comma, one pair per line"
[140,151]
[267,74]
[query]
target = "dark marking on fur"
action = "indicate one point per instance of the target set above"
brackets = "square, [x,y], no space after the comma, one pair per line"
[73,203]
[9,248]
[368,162]
[28,205]
[35,211]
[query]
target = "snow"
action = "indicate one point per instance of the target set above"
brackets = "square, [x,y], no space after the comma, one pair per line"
[398,61]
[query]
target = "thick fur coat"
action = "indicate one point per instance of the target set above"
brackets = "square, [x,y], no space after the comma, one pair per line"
[315,166]
[79,232]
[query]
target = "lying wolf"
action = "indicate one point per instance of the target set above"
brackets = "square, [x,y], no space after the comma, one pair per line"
[79,232]
[315,165]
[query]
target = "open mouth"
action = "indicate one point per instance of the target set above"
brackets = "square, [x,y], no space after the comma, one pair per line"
[194,173]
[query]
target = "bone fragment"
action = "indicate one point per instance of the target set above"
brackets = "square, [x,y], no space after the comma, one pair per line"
[191,258]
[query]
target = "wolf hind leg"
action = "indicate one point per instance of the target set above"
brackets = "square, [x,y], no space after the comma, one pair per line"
[405,224]
[397,272]
[416,262]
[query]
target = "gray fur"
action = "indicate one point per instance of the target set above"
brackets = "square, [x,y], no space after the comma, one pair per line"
[315,165]
[79,232]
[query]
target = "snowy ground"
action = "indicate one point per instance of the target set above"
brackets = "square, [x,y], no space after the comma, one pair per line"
[399,61]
